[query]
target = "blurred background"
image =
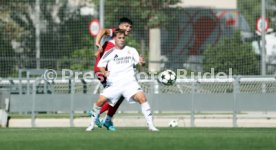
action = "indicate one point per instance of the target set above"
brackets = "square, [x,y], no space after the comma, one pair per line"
[195,35]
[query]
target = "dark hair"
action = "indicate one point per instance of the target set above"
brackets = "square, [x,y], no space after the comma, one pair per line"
[125,20]
[118,31]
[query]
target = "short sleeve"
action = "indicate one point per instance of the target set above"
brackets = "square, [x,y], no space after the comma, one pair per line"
[107,56]
[136,56]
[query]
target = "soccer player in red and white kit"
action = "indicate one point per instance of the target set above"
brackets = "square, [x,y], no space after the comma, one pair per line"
[126,25]
[121,80]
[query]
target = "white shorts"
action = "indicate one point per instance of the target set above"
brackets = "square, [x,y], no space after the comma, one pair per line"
[115,91]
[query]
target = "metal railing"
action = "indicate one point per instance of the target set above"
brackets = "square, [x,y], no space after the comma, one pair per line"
[234,95]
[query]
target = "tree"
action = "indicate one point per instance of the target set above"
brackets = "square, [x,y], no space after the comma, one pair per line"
[148,17]
[271,13]
[12,36]
[231,53]
[62,28]
[252,11]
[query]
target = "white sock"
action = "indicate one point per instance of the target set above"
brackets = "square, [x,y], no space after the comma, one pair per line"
[107,118]
[96,112]
[147,113]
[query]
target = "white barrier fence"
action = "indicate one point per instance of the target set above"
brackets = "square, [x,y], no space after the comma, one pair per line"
[233,96]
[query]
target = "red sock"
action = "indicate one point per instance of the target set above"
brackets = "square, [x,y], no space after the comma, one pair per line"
[112,110]
[105,107]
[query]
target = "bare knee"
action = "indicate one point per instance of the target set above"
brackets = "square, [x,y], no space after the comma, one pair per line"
[101,100]
[140,97]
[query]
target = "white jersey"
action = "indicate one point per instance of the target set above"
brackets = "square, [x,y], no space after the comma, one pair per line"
[120,64]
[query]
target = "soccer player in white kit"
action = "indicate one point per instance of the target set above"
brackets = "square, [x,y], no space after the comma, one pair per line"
[121,79]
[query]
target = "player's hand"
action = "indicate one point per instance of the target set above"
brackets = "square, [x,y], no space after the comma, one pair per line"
[141,60]
[100,49]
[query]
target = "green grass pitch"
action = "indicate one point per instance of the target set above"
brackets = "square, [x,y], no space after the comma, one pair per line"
[138,138]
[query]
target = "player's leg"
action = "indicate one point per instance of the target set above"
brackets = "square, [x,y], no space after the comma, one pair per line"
[104,108]
[107,122]
[110,94]
[96,111]
[146,110]
[134,92]
[105,105]
[113,110]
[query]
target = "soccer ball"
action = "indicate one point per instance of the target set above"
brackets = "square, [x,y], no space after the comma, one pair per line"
[173,123]
[167,77]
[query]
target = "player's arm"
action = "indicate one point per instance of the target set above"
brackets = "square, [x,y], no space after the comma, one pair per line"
[137,58]
[99,38]
[104,61]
